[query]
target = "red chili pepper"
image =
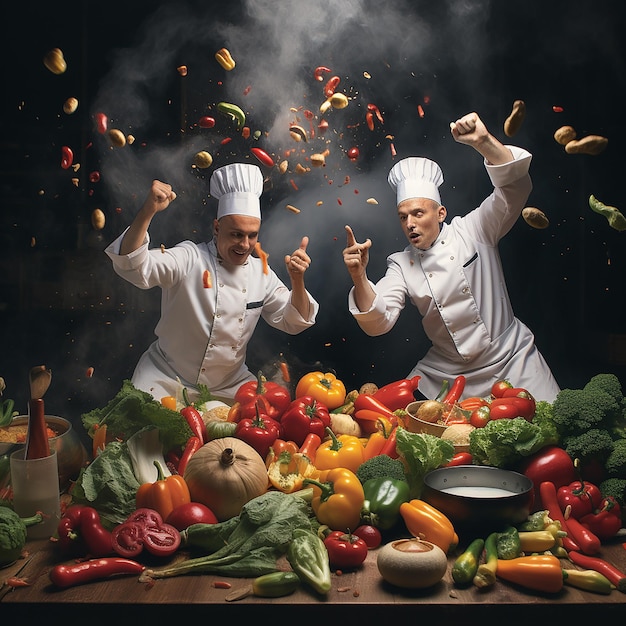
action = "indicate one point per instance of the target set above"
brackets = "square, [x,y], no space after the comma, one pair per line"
[331,86]
[615,575]
[67,157]
[94,569]
[263,156]
[547,492]
[80,532]
[193,418]
[390,446]
[319,71]
[460,458]
[588,542]
[345,550]
[367,401]
[582,498]
[456,390]
[193,445]
[374,109]
[259,432]
[369,118]
[399,394]
[145,528]
[606,521]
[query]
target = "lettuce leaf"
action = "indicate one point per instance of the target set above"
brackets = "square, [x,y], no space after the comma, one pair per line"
[131,410]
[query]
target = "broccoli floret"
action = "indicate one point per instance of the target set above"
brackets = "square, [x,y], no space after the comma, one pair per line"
[575,411]
[380,466]
[616,488]
[609,383]
[592,444]
[616,462]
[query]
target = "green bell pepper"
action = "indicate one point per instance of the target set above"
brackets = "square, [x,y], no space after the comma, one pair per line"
[383,497]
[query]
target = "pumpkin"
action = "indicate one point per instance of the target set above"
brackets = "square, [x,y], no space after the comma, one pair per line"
[224,474]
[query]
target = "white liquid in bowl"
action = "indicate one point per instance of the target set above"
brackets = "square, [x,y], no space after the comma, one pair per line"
[478,492]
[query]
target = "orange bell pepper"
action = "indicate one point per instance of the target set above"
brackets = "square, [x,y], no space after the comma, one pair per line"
[164,495]
[338,498]
[277,448]
[426,522]
[539,572]
[340,451]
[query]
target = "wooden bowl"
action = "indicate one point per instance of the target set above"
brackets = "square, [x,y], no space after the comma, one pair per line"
[416,425]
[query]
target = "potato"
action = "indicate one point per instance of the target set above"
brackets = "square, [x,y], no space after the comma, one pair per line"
[342,424]
[591,144]
[203,159]
[98,219]
[430,411]
[368,388]
[564,135]
[514,122]
[535,218]
[117,138]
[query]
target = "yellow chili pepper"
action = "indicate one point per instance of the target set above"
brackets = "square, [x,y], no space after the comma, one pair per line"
[224,58]
[164,495]
[342,451]
[338,498]
[426,522]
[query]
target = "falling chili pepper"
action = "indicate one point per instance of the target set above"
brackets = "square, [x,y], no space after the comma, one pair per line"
[374,109]
[319,71]
[206,279]
[420,110]
[262,255]
[263,156]
[369,118]
[246,91]
[102,123]
[284,370]
[293,184]
[67,157]
[557,109]
[331,86]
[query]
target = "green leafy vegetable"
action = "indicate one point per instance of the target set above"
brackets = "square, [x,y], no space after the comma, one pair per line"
[421,453]
[133,409]
[249,544]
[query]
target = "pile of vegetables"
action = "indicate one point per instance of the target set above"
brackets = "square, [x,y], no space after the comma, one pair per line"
[325,476]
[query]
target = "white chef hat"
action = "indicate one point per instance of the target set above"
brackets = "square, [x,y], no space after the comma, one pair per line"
[416,177]
[237,188]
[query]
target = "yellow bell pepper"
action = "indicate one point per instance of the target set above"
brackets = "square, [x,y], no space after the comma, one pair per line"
[164,495]
[225,59]
[343,451]
[426,522]
[338,498]
[324,387]
[288,470]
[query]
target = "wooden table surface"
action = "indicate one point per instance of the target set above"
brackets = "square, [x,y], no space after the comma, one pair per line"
[361,594]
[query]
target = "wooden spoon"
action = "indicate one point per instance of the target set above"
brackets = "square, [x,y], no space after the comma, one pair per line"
[37,443]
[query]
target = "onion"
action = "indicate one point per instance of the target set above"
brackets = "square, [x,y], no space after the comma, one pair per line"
[430,411]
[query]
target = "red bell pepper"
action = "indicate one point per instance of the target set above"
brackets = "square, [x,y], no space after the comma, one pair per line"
[582,498]
[81,533]
[305,415]
[399,394]
[345,550]
[271,398]
[260,432]
[605,521]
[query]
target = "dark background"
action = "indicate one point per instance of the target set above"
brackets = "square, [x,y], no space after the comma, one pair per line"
[60,302]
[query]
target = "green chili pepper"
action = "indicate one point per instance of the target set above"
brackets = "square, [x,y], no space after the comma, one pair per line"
[232,110]
[275,584]
[466,565]
[6,412]
[383,497]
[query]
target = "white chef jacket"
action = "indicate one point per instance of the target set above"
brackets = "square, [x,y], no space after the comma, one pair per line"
[459,289]
[203,331]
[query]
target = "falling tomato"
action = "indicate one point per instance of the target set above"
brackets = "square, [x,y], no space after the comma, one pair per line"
[353,154]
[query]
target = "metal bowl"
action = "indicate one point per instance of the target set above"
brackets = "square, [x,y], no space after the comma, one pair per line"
[481,497]
[71,452]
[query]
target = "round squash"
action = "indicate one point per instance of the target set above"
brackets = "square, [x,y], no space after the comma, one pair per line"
[412,563]
[224,474]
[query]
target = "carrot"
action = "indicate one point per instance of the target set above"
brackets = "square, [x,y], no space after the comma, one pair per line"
[472,403]
[284,370]
[262,255]
[540,572]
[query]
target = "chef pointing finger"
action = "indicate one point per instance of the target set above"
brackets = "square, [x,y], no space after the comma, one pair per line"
[214,293]
[453,274]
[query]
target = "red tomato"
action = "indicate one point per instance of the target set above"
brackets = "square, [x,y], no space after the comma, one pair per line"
[190,513]
[460,458]
[345,550]
[500,387]
[480,416]
[145,528]
[370,534]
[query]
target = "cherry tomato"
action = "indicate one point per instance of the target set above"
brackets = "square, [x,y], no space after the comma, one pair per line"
[480,416]
[370,534]
[499,387]
[190,513]
[353,154]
